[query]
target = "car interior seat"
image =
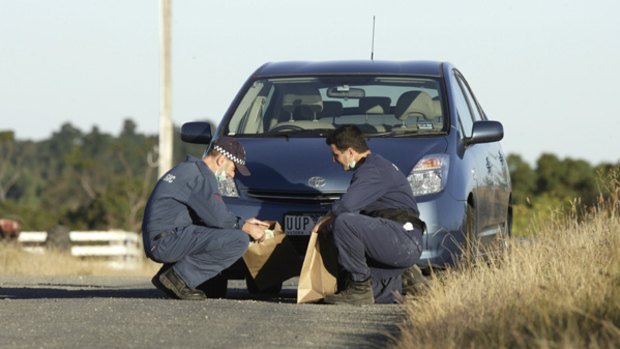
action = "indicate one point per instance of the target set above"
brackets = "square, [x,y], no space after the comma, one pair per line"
[331,110]
[437,118]
[301,108]
[414,104]
[374,108]
[374,105]
[302,103]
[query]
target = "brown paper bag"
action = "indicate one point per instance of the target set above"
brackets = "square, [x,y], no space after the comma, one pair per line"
[318,277]
[272,261]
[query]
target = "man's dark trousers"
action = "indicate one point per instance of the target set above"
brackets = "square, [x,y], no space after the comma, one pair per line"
[381,247]
[199,253]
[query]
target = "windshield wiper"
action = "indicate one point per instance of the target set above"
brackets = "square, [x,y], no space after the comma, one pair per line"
[309,132]
[403,133]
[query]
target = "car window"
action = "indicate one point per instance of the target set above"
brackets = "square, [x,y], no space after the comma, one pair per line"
[471,100]
[378,105]
[462,109]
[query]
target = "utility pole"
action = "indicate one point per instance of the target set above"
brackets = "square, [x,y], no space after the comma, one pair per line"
[165,116]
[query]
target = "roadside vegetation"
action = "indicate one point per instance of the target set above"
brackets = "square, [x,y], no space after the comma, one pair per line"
[81,180]
[14,261]
[559,288]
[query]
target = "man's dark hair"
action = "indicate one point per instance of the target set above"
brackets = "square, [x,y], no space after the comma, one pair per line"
[347,136]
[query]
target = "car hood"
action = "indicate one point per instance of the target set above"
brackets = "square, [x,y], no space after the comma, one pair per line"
[287,164]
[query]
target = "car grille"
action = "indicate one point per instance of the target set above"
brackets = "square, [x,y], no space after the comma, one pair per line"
[314,198]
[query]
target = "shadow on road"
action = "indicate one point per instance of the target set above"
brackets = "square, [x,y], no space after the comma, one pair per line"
[47,291]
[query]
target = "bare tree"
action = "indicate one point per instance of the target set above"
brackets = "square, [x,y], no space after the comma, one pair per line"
[137,198]
[9,171]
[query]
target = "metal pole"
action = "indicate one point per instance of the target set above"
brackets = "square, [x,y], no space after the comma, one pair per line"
[165,118]
[372,47]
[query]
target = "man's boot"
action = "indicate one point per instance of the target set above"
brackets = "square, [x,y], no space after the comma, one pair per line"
[356,293]
[169,282]
[155,281]
[414,282]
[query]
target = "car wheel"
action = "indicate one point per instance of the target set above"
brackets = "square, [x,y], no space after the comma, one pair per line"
[470,246]
[253,288]
[215,287]
[508,230]
[504,238]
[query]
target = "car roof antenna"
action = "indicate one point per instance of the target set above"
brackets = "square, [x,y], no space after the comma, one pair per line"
[372,46]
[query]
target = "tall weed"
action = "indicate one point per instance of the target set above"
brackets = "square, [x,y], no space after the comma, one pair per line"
[15,261]
[559,288]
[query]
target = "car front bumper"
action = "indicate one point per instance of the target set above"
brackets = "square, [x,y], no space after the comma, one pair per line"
[444,217]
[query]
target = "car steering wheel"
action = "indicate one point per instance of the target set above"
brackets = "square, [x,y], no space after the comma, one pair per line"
[286,127]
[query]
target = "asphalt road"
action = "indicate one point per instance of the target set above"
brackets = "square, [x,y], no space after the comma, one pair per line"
[128,312]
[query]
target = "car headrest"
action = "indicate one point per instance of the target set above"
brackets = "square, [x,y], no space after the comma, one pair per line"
[375,105]
[298,96]
[414,103]
[331,109]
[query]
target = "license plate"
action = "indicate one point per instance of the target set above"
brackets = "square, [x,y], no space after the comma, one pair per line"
[300,224]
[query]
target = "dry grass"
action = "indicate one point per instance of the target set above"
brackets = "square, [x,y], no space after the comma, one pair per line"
[559,289]
[15,261]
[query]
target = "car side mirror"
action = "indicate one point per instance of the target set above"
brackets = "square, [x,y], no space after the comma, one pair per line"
[485,131]
[198,132]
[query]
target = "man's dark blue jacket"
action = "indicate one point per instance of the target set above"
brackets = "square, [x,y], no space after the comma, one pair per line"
[187,195]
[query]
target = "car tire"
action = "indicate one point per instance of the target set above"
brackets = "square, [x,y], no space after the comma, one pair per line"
[508,230]
[215,287]
[470,247]
[506,235]
[253,288]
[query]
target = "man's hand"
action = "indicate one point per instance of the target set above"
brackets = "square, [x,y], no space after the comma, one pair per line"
[324,221]
[255,228]
[257,222]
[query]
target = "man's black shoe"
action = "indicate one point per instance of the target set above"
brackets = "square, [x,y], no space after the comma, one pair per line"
[414,282]
[356,293]
[155,281]
[169,282]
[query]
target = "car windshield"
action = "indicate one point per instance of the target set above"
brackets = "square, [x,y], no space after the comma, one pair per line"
[310,106]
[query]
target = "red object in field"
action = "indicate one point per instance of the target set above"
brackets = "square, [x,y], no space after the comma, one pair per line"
[10,228]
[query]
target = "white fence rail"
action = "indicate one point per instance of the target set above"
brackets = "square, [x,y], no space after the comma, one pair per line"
[33,241]
[121,248]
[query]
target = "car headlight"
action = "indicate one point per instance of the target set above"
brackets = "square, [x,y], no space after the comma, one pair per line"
[228,188]
[429,175]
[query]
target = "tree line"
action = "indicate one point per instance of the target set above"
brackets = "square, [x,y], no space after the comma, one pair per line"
[98,181]
[85,181]
[557,185]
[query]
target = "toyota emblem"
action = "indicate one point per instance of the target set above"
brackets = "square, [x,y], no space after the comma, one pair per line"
[317,182]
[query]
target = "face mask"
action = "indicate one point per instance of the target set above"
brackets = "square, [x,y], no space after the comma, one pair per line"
[351,164]
[220,175]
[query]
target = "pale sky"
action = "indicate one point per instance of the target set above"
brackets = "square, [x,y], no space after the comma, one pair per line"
[546,69]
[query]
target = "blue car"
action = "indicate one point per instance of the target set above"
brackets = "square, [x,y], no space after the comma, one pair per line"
[421,115]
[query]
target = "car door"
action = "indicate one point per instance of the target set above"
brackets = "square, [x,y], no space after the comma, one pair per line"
[492,174]
[472,165]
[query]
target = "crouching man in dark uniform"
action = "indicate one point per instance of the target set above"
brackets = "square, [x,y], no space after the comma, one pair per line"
[187,226]
[375,224]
